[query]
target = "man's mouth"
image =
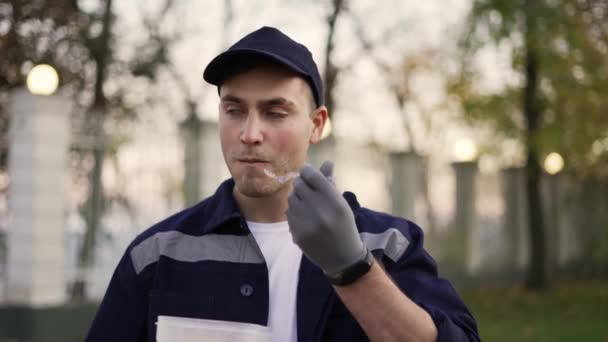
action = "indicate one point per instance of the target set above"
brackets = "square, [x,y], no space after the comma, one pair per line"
[252,161]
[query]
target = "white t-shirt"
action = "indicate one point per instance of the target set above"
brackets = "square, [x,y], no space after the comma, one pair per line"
[283,260]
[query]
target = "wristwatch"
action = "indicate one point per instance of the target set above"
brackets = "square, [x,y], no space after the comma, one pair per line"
[352,272]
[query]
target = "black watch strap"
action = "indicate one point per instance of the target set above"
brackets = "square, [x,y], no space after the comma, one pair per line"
[353,272]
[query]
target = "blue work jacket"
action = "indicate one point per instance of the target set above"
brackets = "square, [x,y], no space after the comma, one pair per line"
[204,263]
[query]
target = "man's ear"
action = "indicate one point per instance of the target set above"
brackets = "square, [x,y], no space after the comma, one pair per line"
[319,119]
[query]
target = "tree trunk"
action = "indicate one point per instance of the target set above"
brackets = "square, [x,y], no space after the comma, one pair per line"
[537,273]
[92,215]
[331,71]
[93,207]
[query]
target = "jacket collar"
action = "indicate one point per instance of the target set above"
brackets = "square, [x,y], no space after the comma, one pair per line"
[221,207]
[218,209]
[351,199]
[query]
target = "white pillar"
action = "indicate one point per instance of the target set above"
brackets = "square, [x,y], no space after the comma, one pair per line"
[405,185]
[213,170]
[463,249]
[38,144]
[193,159]
[515,220]
[576,200]
[550,186]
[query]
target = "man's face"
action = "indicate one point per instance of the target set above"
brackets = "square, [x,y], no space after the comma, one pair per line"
[266,122]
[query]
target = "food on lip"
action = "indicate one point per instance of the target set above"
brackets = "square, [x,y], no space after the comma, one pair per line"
[281,178]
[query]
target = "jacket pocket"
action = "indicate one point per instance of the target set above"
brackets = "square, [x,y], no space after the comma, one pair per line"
[224,296]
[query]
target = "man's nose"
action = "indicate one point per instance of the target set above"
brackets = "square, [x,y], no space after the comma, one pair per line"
[252,130]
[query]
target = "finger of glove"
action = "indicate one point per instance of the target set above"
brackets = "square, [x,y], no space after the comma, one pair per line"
[315,179]
[293,189]
[327,169]
[297,219]
[303,191]
[295,207]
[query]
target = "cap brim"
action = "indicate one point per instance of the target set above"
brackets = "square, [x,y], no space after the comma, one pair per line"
[228,63]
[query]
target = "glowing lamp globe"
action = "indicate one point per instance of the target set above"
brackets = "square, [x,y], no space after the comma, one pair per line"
[465,150]
[554,163]
[42,80]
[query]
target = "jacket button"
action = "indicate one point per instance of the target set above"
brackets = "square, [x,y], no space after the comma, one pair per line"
[246,290]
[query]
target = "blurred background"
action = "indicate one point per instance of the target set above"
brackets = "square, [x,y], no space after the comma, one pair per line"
[484,121]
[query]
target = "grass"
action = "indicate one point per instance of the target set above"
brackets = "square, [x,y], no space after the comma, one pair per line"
[573,311]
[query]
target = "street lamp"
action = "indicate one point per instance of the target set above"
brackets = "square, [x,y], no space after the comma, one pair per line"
[464,249]
[42,80]
[39,142]
[554,163]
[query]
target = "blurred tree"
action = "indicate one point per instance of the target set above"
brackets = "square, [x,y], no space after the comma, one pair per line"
[160,43]
[77,38]
[399,83]
[556,102]
[28,30]
[330,73]
[192,127]
[101,55]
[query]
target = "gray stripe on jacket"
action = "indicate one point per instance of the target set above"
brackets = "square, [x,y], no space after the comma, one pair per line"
[237,248]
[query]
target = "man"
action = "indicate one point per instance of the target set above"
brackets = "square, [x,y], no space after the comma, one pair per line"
[291,254]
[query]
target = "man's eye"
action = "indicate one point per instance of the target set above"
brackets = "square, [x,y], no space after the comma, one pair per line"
[234,111]
[275,115]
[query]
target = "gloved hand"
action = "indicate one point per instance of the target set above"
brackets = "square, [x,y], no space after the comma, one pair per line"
[321,221]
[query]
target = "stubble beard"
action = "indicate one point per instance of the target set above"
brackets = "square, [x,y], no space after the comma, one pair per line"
[253,184]
[256,186]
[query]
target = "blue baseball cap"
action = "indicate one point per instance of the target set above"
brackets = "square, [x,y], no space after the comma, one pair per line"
[267,44]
